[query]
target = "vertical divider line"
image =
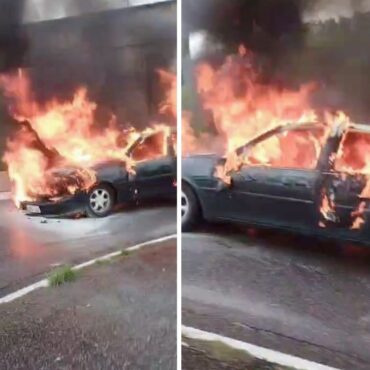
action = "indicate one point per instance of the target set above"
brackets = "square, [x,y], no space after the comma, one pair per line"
[179,152]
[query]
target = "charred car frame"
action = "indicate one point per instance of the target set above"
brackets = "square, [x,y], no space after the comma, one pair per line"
[153,177]
[325,200]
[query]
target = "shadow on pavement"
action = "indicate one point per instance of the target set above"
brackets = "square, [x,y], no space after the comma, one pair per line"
[355,254]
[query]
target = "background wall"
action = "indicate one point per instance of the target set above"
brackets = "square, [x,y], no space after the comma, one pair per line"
[115,53]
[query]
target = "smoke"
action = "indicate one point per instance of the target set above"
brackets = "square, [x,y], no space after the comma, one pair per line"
[266,26]
[296,42]
[323,10]
[13,43]
[115,54]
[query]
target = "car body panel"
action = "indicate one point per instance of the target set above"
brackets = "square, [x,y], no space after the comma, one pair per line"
[62,207]
[288,198]
[152,178]
[115,174]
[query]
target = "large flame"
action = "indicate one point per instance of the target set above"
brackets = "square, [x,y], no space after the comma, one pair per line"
[58,135]
[243,106]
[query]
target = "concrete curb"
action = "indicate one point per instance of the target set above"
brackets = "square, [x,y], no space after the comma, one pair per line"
[44,282]
[261,353]
[4,182]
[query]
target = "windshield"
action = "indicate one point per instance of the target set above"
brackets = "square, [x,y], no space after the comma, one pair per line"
[151,147]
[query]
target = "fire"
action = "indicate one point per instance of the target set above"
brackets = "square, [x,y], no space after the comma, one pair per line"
[327,208]
[242,106]
[169,104]
[59,135]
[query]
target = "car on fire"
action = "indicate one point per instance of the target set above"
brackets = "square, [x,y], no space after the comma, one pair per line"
[315,182]
[153,177]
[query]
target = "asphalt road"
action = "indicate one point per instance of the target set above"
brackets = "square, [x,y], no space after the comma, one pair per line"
[119,314]
[31,246]
[292,294]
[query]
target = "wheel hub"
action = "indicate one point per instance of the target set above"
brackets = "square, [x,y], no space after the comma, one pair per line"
[184,205]
[100,200]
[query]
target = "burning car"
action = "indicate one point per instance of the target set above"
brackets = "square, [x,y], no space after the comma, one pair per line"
[147,170]
[307,177]
[70,155]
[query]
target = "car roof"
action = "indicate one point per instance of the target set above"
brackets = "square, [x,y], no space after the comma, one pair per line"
[338,129]
[359,127]
[278,130]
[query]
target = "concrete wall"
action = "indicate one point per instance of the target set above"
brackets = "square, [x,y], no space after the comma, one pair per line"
[114,53]
[42,10]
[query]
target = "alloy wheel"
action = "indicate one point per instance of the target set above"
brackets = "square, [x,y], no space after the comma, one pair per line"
[184,205]
[100,200]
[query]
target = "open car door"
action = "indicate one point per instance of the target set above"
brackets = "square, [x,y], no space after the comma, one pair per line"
[155,169]
[277,183]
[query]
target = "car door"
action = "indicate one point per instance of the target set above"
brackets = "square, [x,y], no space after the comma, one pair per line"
[346,186]
[155,168]
[276,185]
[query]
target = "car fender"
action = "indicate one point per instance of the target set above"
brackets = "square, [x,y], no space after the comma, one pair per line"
[195,189]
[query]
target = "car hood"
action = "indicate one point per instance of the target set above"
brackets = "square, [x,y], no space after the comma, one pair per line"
[107,163]
[107,170]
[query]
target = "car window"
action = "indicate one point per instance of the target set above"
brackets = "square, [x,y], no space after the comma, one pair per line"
[353,154]
[290,149]
[152,147]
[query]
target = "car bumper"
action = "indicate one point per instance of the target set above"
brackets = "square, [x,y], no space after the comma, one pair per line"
[61,207]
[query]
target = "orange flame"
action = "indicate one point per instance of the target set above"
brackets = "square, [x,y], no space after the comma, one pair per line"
[242,107]
[58,134]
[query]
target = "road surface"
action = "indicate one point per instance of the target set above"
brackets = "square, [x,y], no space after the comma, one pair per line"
[292,294]
[32,246]
[119,314]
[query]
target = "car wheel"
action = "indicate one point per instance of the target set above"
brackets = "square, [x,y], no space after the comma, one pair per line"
[100,201]
[190,209]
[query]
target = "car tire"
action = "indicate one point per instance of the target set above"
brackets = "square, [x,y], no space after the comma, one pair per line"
[190,208]
[100,201]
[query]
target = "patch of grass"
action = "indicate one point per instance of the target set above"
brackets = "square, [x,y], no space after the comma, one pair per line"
[236,358]
[61,275]
[107,261]
[221,351]
[125,253]
[103,262]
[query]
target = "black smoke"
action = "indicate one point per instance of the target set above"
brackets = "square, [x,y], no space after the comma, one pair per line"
[115,54]
[296,42]
[13,41]
[265,26]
